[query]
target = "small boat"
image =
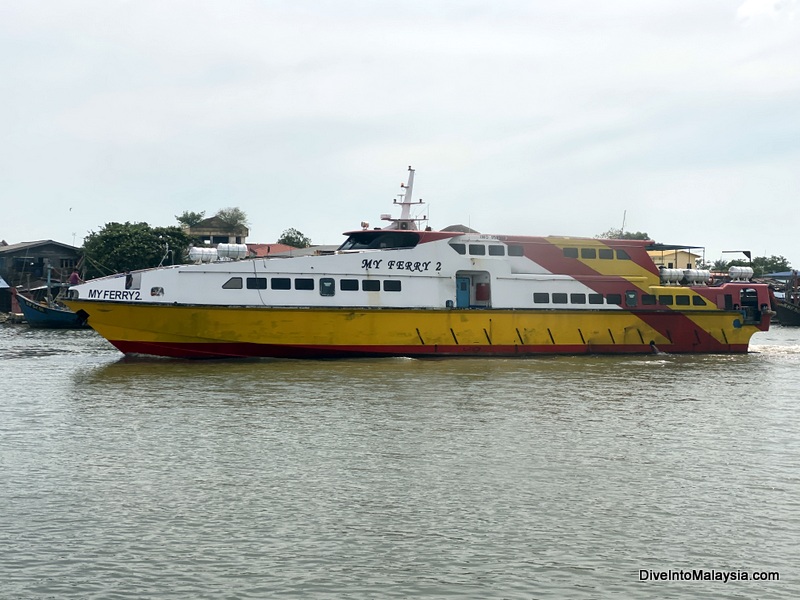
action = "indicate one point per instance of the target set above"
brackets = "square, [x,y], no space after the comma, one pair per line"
[48,314]
[410,290]
[787,307]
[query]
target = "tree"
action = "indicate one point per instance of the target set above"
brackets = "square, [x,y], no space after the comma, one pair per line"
[618,234]
[118,247]
[292,237]
[233,217]
[190,219]
[763,264]
[719,266]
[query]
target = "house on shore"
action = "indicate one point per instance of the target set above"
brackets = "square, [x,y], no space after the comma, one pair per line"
[213,231]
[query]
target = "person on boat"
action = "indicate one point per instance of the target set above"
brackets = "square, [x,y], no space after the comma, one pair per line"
[75,278]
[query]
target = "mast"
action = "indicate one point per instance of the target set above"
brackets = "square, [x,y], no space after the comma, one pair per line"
[405,221]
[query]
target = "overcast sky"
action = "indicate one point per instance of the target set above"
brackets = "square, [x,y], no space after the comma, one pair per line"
[681,117]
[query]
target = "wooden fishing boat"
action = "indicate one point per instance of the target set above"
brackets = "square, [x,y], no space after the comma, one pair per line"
[48,314]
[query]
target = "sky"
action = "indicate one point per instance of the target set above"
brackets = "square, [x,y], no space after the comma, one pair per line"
[678,118]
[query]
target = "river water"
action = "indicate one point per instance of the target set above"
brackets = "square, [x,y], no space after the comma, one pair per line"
[558,477]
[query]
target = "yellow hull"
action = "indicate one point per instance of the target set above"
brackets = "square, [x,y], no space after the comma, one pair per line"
[208,331]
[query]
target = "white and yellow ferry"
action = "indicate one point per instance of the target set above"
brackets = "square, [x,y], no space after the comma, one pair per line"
[405,290]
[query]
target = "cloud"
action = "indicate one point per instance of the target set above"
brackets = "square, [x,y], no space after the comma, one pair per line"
[754,9]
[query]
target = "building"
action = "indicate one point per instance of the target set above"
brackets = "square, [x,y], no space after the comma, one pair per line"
[213,231]
[675,258]
[27,264]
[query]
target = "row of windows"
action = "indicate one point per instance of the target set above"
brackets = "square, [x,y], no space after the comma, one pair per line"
[491,249]
[326,284]
[327,287]
[602,253]
[630,299]
[498,250]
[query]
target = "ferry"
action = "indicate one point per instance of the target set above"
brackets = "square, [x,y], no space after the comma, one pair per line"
[408,290]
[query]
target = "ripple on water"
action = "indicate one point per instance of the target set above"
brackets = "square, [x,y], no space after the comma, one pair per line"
[549,478]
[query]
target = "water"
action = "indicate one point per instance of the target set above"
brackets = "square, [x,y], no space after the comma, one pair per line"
[538,478]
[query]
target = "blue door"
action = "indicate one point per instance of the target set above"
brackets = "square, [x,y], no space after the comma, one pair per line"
[462,292]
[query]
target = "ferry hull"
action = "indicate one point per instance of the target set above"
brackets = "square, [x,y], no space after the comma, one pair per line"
[227,332]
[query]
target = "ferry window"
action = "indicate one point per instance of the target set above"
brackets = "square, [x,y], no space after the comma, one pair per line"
[559,298]
[371,285]
[571,252]
[327,286]
[280,283]
[391,285]
[606,253]
[614,298]
[460,248]
[631,298]
[157,291]
[648,299]
[622,255]
[515,251]
[698,301]
[348,285]
[682,300]
[497,250]
[234,283]
[380,239]
[665,300]
[303,284]
[577,298]
[256,283]
[477,249]
[541,298]
[588,253]
[595,298]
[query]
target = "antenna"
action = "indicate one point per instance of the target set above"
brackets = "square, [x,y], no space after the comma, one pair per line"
[624,214]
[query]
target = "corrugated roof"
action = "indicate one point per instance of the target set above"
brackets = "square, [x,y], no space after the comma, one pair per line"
[26,245]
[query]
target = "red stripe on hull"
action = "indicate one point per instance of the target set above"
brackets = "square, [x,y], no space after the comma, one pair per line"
[245,350]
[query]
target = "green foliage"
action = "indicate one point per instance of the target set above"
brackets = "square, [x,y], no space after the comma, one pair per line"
[190,219]
[292,237]
[118,247]
[764,264]
[618,234]
[719,266]
[233,217]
